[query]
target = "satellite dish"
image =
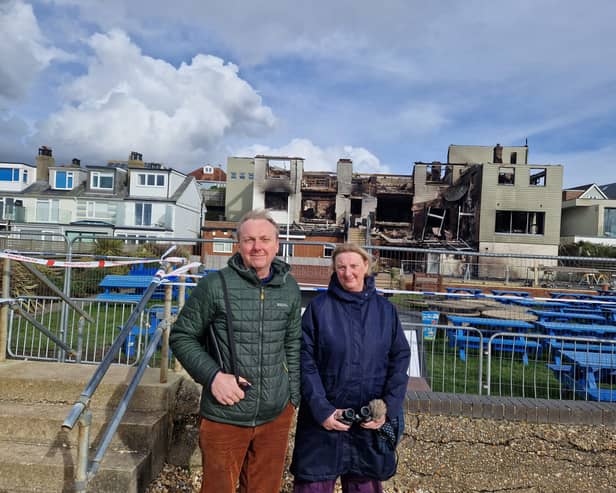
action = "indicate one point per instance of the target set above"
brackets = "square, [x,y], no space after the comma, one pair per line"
[456,192]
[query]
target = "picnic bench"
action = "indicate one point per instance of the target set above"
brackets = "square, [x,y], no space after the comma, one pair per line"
[508,292]
[577,329]
[475,333]
[464,290]
[569,316]
[118,297]
[584,371]
[116,287]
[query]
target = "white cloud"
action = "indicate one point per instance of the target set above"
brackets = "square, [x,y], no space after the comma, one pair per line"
[320,159]
[129,101]
[24,51]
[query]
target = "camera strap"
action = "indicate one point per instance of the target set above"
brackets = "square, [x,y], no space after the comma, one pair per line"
[230,331]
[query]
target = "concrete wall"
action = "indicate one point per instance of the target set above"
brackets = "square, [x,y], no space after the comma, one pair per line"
[582,221]
[238,198]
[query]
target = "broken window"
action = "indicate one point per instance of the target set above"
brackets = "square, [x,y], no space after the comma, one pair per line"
[438,173]
[281,170]
[537,177]
[506,176]
[520,222]
[276,201]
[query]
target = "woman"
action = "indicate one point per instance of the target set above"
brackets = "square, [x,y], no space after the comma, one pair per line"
[354,354]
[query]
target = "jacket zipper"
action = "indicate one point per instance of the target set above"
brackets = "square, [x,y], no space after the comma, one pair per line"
[260,363]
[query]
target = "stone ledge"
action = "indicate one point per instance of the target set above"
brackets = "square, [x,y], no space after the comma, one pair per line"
[512,408]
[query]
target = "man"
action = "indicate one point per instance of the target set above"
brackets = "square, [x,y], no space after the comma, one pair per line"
[245,421]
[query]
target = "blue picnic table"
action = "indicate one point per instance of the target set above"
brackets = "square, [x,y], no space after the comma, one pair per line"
[508,292]
[464,290]
[577,329]
[116,287]
[533,303]
[569,316]
[584,371]
[575,296]
[475,332]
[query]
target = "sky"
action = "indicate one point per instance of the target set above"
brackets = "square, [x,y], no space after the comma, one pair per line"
[386,84]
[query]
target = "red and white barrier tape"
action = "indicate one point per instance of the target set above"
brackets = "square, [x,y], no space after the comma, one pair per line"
[85,264]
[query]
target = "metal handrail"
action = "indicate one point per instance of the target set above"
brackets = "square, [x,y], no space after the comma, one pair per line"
[81,413]
[101,370]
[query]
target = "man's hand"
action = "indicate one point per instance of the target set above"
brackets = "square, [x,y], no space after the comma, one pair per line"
[332,422]
[226,390]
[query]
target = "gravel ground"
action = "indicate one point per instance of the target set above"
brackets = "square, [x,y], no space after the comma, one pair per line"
[175,479]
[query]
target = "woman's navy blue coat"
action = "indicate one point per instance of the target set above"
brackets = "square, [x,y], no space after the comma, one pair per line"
[353,351]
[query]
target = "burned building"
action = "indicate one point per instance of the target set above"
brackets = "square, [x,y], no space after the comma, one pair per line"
[319,197]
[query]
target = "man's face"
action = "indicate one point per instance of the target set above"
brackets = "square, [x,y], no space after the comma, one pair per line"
[258,245]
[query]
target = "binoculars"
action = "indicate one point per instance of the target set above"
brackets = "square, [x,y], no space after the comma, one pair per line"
[349,416]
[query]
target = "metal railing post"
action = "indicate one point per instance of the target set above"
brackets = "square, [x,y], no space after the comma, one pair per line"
[181,300]
[4,309]
[164,350]
[83,446]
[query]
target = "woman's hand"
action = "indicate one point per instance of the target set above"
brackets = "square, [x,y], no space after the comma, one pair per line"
[332,423]
[374,424]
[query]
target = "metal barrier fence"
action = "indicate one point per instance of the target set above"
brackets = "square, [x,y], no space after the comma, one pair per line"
[540,366]
[418,281]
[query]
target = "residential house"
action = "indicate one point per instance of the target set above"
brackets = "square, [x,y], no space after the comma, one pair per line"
[124,198]
[212,181]
[589,214]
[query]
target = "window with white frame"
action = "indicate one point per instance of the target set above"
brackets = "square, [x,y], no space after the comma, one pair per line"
[9,174]
[328,251]
[24,176]
[151,179]
[47,210]
[101,181]
[208,170]
[96,209]
[143,214]
[222,246]
[7,208]
[285,249]
[64,180]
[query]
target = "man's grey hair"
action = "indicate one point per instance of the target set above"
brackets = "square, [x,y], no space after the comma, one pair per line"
[257,214]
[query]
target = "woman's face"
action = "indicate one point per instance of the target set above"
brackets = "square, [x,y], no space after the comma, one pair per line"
[351,268]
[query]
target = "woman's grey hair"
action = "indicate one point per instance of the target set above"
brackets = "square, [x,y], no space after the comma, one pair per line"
[351,247]
[257,214]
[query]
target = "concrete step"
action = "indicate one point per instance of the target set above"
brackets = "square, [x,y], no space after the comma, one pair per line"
[29,381]
[40,423]
[41,468]
[36,454]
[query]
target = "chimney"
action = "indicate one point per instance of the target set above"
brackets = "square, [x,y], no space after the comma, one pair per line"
[498,154]
[135,160]
[344,171]
[43,161]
